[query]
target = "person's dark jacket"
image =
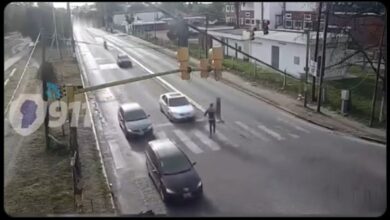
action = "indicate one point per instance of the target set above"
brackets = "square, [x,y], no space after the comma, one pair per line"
[211,112]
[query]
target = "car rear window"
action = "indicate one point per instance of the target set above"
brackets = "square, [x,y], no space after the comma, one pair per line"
[175,163]
[135,115]
[178,101]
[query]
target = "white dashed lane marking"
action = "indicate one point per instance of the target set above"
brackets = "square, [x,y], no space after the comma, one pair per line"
[206,140]
[187,141]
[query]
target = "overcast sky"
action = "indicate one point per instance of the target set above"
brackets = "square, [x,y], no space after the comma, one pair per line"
[72,4]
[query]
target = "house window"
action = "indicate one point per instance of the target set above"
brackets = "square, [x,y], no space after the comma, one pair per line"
[296,60]
[253,21]
[243,4]
[297,24]
[307,25]
[247,14]
[288,16]
[247,21]
[227,8]
[307,17]
[288,24]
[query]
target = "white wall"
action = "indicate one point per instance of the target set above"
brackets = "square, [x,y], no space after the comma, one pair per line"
[231,52]
[270,10]
[274,8]
[301,6]
[257,12]
[287,52]
[119,19]
[248,6]
[148,16]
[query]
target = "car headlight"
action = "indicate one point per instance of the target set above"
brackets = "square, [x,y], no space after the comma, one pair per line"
[169,191]
[199,184]
[129,130]
[149,127]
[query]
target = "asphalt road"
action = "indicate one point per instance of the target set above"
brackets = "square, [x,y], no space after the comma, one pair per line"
[263,162]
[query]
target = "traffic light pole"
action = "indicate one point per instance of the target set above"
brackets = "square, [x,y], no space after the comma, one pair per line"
[135,79]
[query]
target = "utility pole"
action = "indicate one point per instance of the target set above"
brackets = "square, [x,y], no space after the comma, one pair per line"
[377,76]
[306,66]
[71,25]
[206,38]
[313,89]
[155,20]
[323,57]
[43,40]
[237,11]
[55,35]
[262,14]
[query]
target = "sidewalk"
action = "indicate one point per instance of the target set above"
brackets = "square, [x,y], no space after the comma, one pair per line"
[326,118]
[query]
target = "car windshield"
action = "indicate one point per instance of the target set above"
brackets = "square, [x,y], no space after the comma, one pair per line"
[175,164]
[123,57]
[178,101]
[135,115]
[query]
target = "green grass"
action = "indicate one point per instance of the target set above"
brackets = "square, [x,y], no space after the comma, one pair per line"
[362,89]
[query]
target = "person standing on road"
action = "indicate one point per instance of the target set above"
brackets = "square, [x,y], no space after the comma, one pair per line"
[211,112]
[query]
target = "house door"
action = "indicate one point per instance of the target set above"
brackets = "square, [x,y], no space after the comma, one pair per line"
[275,57]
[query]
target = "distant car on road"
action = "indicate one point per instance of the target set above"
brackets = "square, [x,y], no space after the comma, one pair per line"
[134,121]
[176,107]
[124,61]
[172,173]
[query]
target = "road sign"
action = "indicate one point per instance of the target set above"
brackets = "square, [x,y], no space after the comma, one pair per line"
[313,67]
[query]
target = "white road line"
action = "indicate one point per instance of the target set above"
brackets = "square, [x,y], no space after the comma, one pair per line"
[161,80]
[255,133]
[10,75]
[206,140]
[293,135]
[108,66]
[271,132]
[291,124]
[161,135]
[117,155]
[301,129]
[163,125]
[220,136]
[187,141]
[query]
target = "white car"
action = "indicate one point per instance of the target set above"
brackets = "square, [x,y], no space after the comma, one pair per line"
[176,107]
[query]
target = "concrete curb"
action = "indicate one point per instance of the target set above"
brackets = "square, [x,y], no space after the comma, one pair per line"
[258,96]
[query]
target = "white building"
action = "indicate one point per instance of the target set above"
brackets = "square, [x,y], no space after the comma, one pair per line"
[283,50]
[290,15]
[270,9]
[148,16]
